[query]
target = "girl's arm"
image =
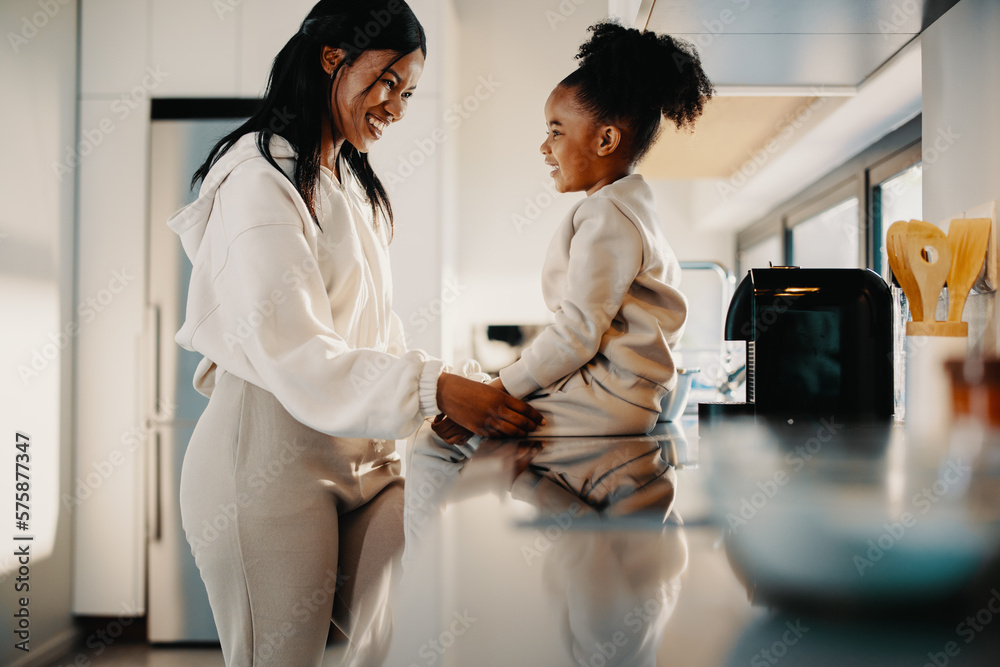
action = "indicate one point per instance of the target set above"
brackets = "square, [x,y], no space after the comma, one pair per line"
[604,258]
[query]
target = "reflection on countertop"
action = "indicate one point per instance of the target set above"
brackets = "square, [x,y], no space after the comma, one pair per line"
[562,551]
[616,551]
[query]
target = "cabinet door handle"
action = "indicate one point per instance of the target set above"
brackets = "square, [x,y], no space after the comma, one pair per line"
[156,506]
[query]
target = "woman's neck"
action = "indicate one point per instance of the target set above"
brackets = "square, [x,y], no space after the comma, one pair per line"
[331,147]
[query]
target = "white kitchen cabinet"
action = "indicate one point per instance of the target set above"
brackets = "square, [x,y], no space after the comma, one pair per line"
[195,43]
[107,503]
[112,46]
[266,28]
[431,14]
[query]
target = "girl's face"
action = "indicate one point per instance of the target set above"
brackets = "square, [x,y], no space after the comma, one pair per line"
[572,144]
[360,117]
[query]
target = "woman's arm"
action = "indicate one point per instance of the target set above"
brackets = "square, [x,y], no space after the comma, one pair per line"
[273,325]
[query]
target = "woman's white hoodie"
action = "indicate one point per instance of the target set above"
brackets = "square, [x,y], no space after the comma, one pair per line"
[300,310]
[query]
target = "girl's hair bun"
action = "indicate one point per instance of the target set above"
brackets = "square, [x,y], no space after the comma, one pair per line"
[636,78]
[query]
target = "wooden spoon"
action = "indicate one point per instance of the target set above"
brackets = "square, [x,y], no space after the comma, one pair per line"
[929,258]
[968,238]
[896,250]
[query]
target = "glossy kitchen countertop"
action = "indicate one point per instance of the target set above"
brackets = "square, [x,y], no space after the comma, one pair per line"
[614,551]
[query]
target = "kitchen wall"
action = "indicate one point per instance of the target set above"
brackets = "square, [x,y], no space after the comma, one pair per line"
[507,207]
[674,204]
[961,132]
[38,117]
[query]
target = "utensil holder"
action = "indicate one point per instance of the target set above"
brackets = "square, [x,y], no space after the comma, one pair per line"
[928,385]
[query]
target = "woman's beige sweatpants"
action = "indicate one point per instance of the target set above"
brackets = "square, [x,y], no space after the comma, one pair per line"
[285,521]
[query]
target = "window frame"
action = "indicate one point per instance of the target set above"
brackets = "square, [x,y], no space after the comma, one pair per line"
[891,166]
[857,177]
[852,188]
[758,233]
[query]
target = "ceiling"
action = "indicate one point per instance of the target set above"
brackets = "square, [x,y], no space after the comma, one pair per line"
[730,132]
[769,60]
[792,42]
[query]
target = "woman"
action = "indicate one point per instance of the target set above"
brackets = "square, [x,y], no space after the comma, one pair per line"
[290,304]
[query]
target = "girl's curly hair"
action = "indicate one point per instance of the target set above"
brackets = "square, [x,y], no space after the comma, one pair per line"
[634,78]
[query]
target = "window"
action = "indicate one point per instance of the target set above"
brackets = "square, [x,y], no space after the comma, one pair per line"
[896,195]
[828,239]
[762,254]
[760,246]
[840,221]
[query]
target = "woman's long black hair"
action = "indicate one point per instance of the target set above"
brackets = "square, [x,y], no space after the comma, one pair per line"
[636,78]
[297,99]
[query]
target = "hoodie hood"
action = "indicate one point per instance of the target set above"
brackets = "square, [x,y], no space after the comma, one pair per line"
[190,222]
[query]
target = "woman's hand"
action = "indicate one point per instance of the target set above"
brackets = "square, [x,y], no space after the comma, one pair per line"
[485,410]
[449,431]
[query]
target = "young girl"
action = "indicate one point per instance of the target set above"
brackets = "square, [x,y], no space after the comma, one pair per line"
[610,278]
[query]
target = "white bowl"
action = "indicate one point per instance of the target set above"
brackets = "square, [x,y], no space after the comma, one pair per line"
[673,402]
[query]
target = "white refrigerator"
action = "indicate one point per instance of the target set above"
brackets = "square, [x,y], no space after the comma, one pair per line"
[178,609]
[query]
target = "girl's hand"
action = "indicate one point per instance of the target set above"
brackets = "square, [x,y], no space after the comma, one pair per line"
[485,410]
[449,431]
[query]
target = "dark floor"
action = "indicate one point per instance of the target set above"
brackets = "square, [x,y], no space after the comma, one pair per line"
[143,655]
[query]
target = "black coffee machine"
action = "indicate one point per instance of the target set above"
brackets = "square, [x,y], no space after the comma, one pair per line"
[819,346]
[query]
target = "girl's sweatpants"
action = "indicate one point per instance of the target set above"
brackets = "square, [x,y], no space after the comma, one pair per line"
[580,404]
[290,528]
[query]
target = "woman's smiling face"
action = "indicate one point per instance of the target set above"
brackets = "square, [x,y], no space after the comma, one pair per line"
[360,117]
[571,142]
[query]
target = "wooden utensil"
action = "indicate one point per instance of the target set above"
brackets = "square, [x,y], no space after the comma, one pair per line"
[968,238]
[896,250]
[928,256]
